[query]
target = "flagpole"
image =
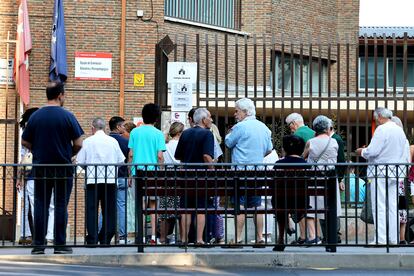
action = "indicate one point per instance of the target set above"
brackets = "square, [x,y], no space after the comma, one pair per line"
[7,98]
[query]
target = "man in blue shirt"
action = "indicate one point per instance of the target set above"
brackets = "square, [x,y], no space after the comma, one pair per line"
[250,141]
[146,144]
[196,145]
[116,125]
[53,135]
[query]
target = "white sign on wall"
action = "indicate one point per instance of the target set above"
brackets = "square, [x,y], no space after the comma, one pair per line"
[93,66]
[181,97]
[182,72]
[178,117]
[4,67]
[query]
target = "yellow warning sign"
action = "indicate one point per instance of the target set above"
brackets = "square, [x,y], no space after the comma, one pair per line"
[139,80]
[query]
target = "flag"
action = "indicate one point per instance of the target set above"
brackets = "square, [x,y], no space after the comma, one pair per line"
[21,57]
[58,70]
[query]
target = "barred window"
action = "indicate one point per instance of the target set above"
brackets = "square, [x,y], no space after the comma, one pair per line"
[221,13]
[310,76]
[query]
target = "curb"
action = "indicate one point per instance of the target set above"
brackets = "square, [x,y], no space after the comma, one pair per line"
[291,260]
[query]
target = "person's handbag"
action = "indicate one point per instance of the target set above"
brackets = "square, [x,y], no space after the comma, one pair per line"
[366,212]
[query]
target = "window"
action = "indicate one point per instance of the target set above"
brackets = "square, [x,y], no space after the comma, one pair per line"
[399,66]
[371,73]
[221,13]
[295,70]
[399,72]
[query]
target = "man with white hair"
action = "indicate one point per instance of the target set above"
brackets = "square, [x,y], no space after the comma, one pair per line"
[388,146]
[297,127]
[196,145]
[100,149]
[250,141]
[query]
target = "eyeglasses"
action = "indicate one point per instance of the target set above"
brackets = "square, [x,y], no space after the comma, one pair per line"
[291,123]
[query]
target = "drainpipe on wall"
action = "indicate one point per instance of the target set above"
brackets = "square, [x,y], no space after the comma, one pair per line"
[122,61]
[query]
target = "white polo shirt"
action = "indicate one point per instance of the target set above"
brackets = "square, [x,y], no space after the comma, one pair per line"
[100,149]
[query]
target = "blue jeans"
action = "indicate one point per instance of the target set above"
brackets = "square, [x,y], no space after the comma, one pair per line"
[121,206]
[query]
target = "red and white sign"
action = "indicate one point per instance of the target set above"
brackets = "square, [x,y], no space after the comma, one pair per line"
[93,66]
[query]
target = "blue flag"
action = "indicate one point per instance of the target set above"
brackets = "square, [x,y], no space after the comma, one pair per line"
[58,70]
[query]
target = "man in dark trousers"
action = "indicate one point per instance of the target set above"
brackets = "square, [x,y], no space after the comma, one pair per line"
[100,149]
[196,145]
[53,135]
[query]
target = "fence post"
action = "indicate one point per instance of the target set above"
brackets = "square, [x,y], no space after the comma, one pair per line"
[139,238]
[332,235]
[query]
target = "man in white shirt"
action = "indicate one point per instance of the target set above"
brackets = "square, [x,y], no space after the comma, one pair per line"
[388,145]
[100,149]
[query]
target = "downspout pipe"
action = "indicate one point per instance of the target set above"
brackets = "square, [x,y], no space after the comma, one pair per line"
[122,61]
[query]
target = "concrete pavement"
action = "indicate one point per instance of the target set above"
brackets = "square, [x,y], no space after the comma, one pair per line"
[293,257]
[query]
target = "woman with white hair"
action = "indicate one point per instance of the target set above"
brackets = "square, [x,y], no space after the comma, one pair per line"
[321,149]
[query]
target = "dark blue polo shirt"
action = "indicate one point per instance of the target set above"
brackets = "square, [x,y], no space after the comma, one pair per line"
[51,130]
[193,144]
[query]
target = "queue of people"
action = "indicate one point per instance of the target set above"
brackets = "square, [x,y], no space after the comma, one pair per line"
[53,136]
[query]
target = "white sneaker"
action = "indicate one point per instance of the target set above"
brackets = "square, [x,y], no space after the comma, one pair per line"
[125,241]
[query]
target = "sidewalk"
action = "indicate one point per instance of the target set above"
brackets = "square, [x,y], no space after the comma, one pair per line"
[346,257]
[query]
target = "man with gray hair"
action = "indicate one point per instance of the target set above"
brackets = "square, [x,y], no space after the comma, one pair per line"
[250,141]
[196,145]
[388,146]
[98,150]
[297,127]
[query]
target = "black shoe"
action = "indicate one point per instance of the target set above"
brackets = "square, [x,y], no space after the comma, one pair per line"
[63,250]
[279,248]
[299,241]
[38,251]
[290,231]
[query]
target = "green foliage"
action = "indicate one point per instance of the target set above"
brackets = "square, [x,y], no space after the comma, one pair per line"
[278,131]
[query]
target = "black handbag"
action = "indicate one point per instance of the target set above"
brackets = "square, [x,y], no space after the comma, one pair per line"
[366,212]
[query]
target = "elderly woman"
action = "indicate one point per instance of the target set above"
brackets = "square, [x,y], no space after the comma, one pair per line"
[320,149]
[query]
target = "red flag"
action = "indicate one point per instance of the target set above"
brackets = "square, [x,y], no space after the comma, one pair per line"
[21,58]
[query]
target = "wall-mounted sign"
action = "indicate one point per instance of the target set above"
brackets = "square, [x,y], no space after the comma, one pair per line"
[181,96]
[178,117]
[139,80]
[93,66]
[183,72]
[6,65]
[138,121]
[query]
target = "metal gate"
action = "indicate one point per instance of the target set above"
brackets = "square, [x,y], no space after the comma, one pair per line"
[344,80]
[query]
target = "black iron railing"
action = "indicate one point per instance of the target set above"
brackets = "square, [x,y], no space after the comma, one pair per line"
[165,205]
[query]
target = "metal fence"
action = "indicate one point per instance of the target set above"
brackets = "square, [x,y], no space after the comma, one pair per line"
[345,79]
[160,204]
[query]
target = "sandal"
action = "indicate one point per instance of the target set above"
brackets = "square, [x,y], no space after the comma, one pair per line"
[233,244]
[260,244]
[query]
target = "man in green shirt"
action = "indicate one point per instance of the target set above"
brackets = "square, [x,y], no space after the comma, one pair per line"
[297,127]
